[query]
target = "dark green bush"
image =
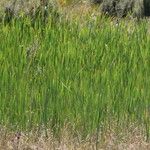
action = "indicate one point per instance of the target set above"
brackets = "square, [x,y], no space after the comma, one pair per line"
[147,7]
[121,8]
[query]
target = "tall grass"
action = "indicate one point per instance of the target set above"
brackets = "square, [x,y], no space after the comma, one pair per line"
[89,76]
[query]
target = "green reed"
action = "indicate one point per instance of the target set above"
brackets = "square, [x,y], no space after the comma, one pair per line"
[88,75]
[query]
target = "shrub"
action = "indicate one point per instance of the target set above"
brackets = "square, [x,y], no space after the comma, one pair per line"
[40,9]
[147,7]
[121,8]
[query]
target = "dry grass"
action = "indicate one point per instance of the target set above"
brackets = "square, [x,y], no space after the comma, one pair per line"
[71,12]
[133,139]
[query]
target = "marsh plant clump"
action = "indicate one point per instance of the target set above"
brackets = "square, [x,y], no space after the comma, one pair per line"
[91,76]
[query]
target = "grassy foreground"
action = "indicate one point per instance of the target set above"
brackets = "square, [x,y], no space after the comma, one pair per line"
[90,75]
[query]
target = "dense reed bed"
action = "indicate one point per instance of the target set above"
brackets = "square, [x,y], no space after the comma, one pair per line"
[93,75]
